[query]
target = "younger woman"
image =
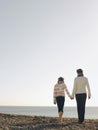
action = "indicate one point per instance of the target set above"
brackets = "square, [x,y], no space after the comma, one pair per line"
[59,96]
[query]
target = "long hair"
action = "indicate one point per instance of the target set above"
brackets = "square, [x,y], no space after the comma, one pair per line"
[79,72]
[60,79]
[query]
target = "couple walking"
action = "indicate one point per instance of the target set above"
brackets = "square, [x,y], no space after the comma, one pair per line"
[81,84]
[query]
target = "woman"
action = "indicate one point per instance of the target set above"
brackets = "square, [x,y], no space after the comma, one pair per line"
[81,84]
[59,96]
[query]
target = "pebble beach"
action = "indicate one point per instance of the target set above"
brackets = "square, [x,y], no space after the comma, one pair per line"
[23,122]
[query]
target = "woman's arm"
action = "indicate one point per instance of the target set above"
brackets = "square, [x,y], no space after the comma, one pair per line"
[74,88]
[88,88]
[54,95]
[66,89]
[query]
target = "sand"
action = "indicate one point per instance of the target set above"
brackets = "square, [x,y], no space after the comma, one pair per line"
[22,122]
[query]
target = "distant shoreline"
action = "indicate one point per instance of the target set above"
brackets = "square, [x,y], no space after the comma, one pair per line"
[24,122]
[70,112]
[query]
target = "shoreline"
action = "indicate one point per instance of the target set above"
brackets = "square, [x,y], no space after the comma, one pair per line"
[24,122]
[70,112]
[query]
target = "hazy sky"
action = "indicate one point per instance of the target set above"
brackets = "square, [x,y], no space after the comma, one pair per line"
[41,40]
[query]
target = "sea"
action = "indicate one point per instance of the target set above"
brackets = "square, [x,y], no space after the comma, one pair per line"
[90,112]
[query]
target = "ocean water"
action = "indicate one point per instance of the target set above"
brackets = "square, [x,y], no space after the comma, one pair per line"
[90,113]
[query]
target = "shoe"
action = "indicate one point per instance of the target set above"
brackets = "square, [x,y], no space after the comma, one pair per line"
[80,122]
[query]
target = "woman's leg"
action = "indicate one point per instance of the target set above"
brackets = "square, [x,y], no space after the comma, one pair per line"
[81,100]
[60,115]
[60,104]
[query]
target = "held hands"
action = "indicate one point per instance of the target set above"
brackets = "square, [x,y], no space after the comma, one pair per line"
[71,97]
[89,97]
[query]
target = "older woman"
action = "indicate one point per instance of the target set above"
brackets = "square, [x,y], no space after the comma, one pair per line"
[81,84]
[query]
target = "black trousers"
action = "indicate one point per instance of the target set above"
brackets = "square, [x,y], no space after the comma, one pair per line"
[60,103]
[81,101]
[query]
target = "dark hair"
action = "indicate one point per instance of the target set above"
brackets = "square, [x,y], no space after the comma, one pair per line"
[60,79]
[80,72]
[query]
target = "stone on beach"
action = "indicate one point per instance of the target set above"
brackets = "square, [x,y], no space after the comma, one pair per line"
[23,122]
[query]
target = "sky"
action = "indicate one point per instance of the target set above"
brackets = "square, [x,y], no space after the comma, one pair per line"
[41,40]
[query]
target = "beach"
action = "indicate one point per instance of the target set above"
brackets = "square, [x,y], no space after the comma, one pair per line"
[24,122]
